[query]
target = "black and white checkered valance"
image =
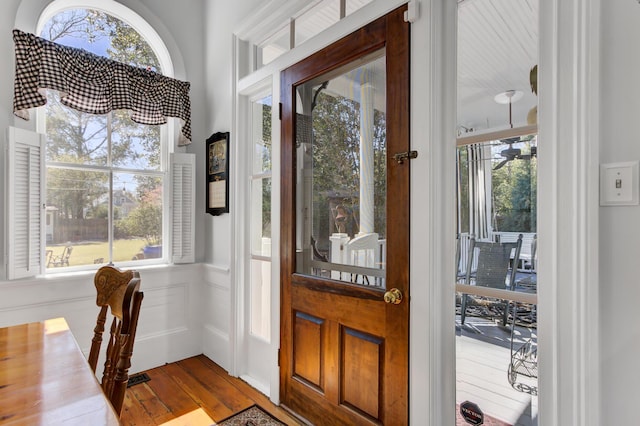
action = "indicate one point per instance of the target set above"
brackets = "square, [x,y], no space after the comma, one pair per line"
[95,84]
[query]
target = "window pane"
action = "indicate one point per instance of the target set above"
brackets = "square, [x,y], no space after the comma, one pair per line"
[260,299]
[104,214]
[261,217]
[134,146]
[77,217]
[316,20]
[274,46]
[353,5]
[137,211]
[74,136]
[261,120]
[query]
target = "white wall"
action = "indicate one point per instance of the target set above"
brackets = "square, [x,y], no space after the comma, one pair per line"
[7,19]
[170,325]
[169,328]
[182,302]
[221,17]
[620,226]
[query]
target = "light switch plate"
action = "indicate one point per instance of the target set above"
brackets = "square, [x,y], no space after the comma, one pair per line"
[619,184]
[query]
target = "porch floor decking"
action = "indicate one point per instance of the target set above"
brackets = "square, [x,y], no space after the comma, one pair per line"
[482,360]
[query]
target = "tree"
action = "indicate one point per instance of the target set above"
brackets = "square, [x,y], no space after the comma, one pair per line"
[515,197]
[77,138]
[264,156]
[513,188]
[336,162]
[146,219]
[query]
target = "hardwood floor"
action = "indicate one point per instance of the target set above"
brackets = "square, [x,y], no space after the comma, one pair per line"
[185,386]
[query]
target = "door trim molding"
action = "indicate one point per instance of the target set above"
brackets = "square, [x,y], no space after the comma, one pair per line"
[568,213]
[433,122]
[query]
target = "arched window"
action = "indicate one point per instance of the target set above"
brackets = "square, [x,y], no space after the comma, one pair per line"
[105,174]
[108,180]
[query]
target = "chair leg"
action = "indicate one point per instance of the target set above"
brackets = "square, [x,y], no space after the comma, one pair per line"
[463,308]
[505,314]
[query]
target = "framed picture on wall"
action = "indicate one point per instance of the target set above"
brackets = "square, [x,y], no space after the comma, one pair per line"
[217,155]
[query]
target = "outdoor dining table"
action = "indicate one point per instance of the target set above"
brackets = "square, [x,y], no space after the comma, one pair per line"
[46,380]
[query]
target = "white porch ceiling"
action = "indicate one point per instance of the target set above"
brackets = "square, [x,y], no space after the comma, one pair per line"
[497,47]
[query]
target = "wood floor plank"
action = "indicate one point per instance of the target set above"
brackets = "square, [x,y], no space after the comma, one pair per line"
[226,392]
[199,392]
[151,403]
[176,399]
[133,413]
[259,398]
[184,387]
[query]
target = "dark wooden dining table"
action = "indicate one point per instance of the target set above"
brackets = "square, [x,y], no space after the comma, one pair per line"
[46,380]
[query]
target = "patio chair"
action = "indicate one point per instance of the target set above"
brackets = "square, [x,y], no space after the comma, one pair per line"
[531,265]
[494,269]
[63,259]
[463,242]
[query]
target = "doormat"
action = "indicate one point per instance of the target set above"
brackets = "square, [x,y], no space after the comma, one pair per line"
[488,420]
[252,416]
[136,379]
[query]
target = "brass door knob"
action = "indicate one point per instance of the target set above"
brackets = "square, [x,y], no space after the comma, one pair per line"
[393,296]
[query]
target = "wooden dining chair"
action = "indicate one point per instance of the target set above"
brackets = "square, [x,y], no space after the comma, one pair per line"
[118,292]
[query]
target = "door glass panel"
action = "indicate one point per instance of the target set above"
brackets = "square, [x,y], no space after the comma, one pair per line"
[341,174]
[260,299]
[496,267]
[496,339]
[261,134]
[261,217]
[259,278]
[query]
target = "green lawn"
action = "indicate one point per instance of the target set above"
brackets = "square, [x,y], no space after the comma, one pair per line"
[86,253]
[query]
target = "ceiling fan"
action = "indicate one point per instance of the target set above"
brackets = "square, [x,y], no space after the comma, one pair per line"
[512,153]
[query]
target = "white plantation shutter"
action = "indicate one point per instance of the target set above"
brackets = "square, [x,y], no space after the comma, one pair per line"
[25,203]
[183,212]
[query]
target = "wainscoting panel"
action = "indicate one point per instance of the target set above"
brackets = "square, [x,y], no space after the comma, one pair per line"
[216,314]
[170,325]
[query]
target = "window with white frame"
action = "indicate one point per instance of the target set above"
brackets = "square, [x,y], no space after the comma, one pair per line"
[260,219]
[105,173]
[313,18]
[105,182]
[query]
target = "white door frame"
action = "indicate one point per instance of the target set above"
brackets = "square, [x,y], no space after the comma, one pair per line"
[567,211]
[569,373]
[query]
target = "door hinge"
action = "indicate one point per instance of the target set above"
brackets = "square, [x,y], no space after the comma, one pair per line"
[280,111]
[279,351]
[401,156]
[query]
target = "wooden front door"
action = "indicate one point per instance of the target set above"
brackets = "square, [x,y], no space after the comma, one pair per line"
[345,229]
